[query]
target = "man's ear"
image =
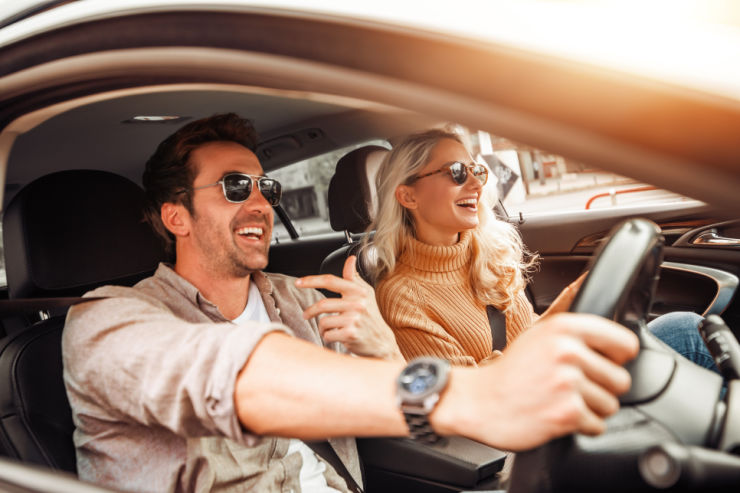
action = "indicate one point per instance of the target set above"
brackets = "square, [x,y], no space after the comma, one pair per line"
[175,218]
[406,197]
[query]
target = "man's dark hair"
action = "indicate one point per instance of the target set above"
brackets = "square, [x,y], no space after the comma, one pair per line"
[169,175]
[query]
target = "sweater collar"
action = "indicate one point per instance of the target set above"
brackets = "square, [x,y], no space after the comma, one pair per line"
[435,258]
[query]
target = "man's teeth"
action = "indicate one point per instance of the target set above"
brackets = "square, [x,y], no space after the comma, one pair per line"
[249,231]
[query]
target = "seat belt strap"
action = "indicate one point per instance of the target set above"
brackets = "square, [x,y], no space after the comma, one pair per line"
[497,321]
[324,450]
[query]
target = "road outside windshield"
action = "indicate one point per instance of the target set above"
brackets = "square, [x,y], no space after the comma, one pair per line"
[534,181]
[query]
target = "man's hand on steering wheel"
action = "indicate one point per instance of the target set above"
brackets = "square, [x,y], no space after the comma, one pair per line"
[561,376]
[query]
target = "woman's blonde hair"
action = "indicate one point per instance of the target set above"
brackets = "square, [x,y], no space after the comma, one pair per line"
[500,261]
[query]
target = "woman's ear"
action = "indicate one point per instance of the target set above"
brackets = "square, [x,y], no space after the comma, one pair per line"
[406,197]
[175,218]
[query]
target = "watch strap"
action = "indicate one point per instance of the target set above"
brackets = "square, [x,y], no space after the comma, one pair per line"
[419,393]
[420,429]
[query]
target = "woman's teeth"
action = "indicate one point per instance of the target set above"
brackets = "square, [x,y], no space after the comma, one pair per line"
[467,202]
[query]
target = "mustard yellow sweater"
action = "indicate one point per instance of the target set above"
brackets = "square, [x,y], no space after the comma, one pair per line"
[429,304]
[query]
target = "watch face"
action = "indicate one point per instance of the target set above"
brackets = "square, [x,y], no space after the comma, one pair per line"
[419,377]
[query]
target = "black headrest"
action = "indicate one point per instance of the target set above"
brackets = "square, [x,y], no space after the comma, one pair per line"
[352,189]
[71,231]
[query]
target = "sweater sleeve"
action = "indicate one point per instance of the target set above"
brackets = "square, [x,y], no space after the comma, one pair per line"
[416,333]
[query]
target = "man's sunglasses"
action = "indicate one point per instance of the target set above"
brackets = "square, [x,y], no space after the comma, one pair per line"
[459,172]
[237,187]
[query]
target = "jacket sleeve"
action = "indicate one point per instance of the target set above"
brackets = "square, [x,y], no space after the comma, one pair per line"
[130,358]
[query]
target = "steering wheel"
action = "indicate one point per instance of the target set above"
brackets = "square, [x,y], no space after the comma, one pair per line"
[672,402]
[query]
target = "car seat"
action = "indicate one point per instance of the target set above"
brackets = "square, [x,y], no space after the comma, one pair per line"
[64,234]
[352,205]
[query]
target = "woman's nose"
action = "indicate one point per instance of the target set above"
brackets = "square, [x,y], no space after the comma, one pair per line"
[473,182]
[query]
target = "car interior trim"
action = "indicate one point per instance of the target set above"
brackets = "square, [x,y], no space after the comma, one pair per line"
[15,476]
[710,238]
[394,86]
[716,235]
[727,284]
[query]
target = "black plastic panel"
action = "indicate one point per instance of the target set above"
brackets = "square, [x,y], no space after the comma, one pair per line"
[460,462]
[683,291]
[303,257]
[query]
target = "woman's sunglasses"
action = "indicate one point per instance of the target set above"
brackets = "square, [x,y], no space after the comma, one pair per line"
[237,187]
[459,172]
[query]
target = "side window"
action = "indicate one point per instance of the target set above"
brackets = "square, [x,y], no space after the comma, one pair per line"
[534,181]
[306,192]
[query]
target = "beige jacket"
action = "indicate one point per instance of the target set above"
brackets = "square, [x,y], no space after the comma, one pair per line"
[150,376]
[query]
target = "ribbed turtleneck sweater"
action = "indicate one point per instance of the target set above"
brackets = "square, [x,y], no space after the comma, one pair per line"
[428,302]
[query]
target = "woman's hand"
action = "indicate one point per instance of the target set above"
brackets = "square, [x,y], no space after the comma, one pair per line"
[353,319]
[565,298]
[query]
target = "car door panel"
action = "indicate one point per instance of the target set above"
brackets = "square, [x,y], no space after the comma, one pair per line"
[581,231]
[698,275]
[695,288]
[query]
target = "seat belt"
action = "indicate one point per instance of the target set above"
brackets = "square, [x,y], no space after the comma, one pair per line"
[497,321]
[324,450]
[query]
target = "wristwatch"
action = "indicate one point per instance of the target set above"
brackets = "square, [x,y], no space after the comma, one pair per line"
[419,387]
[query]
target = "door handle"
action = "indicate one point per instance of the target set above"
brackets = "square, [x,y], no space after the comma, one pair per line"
[711,238]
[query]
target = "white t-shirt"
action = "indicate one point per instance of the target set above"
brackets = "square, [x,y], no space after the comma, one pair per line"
[312,469]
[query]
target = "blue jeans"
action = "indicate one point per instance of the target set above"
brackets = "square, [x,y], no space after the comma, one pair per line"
[680,330]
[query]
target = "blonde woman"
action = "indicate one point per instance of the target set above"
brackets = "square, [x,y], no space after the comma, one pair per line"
[443,258]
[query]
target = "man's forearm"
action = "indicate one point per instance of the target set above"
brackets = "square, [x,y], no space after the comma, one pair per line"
[559,377]
[292,388]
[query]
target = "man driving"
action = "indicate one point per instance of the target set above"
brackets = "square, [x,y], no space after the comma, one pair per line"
[206,376]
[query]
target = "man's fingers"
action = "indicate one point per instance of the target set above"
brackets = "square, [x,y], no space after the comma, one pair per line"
[591,424]
[598,369]
[350,273]
[350,268]
[330,282]
[334,326]
[337,321]
[332,305]
[619,344]
[614,341]
[337,335]
[598,400]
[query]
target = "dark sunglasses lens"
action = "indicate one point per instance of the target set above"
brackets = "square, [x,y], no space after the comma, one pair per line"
[459,173]
[271,190]
[237,187]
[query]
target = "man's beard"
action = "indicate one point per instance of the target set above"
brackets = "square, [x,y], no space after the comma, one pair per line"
[226,257]
[242,267]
